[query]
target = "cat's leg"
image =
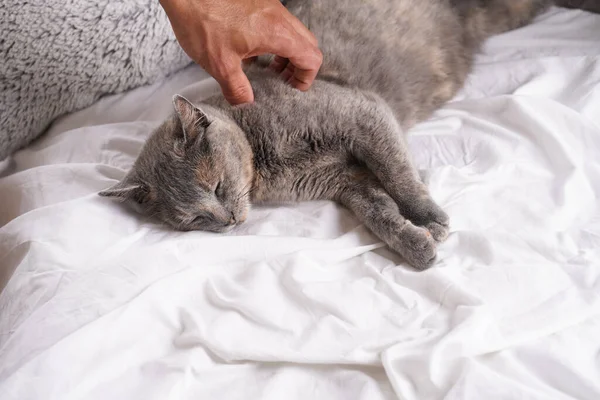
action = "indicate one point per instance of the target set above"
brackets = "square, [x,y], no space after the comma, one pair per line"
[384,152]
[374,207]
[586,5]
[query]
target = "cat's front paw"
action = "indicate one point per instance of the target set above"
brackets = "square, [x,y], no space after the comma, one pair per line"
[417,245]
[428,214]
[438,231]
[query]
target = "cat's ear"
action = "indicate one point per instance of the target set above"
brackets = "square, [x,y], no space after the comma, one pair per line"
[193,120]
[127,190]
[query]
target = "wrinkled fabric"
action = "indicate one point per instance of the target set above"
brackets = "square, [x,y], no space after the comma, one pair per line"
[302,302]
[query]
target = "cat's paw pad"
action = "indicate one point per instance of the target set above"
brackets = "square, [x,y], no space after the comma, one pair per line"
[417,246]
[428,214]
[438,231]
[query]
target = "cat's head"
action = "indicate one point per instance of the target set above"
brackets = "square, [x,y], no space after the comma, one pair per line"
[194,172]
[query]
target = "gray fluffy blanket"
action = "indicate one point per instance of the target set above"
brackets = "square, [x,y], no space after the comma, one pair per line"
[58,56]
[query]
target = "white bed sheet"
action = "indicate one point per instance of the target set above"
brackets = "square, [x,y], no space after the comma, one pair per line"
[302,302]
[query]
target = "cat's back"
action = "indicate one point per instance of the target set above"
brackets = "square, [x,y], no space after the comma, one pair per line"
[411,52]
[416,54]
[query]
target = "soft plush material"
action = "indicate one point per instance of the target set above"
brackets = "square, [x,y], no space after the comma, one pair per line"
[59,56]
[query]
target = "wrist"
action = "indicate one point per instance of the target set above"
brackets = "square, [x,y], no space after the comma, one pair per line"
[200,9]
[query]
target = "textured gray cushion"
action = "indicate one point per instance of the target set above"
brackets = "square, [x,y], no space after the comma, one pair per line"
[59,56]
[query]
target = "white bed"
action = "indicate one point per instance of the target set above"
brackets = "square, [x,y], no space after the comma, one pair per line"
[301,302]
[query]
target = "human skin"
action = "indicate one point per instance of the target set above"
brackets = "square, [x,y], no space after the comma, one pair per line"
[221,34]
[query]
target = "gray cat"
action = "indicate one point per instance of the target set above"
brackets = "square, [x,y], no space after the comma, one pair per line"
[387,65]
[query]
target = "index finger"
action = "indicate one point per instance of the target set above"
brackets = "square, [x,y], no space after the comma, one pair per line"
[305,70]
[292,42]
[304,56]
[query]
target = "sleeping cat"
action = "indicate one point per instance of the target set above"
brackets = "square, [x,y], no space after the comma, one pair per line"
[387,65]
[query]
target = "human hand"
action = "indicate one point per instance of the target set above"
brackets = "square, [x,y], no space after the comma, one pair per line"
[220,34]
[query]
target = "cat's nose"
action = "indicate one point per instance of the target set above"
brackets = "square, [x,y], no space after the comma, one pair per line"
[232,220]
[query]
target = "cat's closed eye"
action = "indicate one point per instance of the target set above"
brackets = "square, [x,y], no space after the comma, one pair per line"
[218,189]
[201,218]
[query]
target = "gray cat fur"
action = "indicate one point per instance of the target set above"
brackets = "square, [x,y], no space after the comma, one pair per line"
[60,56]
[387,64]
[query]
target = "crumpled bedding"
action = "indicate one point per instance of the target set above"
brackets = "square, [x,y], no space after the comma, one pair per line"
[302,302]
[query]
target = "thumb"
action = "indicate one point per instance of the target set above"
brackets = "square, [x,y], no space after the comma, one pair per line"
[236,87]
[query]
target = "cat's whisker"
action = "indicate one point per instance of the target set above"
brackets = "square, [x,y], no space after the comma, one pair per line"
[246,193]
[241,191]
